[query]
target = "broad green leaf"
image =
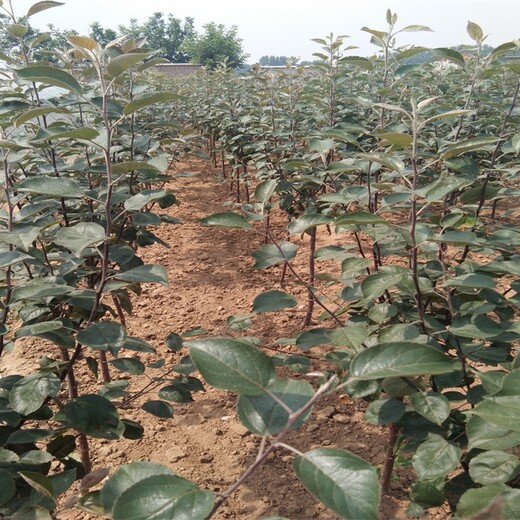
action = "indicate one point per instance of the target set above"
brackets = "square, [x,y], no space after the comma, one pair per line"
[158,97]
[36,112]
[450,55]
[312,338]
[471,281]
[125,477]
[487,436]
[397,138]
[103,335]
[128,166]
[37,481]
[158,408]
[265,190]
[21,236]
[272,254]
[358,61]
[52,187]
[122,63]
[385,159]
[33,513]
[435,458]
[141,199]
[374,285]
[50,76]
[444,115]
[77,238]
[29,393]
[273,301]
[476,500]
[84,42]
[174,342]
[175,393]
[12,145]
[92,415]
[415,28]
[227,219]
[150,273]
[7,487]
[38,289]
[398,360]
[232,365]
[162,497]
[384,411]
[432,406]
[262,414]
[308,221]
[494,467]
[359,218]
[342,481]
[382,312]
[53,133]
[469,145]
[16,30]
[131,365]
[322,146]
[42,6]
[475,32]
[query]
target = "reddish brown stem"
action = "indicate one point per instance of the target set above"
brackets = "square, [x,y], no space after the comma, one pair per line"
[388,465]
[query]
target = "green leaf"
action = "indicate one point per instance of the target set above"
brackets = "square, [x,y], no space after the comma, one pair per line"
[7,487]
[22,236]
[65,133]
[308,221]
[374,285]
[162,497]
[232,365]
[475,32]
[227,219]
[42,6]
[32,513]
[150,273]
[141,199]
[385,159]
[36,112]
[125,477]
[397,138]
[359,218]
[342,481]
[494,467]
[263,414]
[52,187]
[471,281]
[146,101]
[29,393]
[174,342]
[131,365]
[158,408]
[399,360]
[415,28]
[469,145]
[322,146]
[450,55]
[385,411]
[273,301]
[92,415]
[50,76]
[272,254]
[175,393]
[312,338]
[123,62]
[103,335]
[432,406]
[16,30]
[84,42]
[37,481]
[487,436]
[265,190]
[474,501]
[128,166]
[77,238]
[435,458]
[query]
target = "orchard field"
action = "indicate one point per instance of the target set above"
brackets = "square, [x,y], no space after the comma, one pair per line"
[276,294]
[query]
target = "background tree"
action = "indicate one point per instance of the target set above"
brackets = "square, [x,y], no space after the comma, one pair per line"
[277,61]
[100,34]
[215,45]
[165,34]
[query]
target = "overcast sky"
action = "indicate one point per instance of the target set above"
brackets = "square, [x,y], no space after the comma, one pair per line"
[285,27]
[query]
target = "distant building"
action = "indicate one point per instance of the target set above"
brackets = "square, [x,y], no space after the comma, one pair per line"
[178,69]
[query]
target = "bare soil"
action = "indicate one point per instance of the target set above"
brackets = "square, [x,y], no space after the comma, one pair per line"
[211,277]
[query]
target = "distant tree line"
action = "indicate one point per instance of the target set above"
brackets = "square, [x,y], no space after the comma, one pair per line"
[174,39]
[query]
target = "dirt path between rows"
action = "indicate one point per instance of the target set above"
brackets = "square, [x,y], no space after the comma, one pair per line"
[211,277]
